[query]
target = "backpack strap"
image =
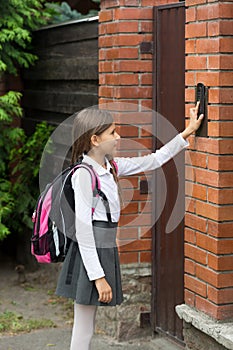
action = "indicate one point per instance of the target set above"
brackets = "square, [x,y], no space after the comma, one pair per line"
[71,263]
[106,205]
[96,192]
[114,163]
[95,187]
[94,177]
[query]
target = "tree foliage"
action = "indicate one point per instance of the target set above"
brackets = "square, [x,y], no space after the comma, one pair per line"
[25,166]
[64,13]
[17,21]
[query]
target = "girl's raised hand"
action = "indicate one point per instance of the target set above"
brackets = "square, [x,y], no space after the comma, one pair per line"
[104,290]
[194,122]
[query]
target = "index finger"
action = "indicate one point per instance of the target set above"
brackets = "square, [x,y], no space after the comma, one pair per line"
[197,105]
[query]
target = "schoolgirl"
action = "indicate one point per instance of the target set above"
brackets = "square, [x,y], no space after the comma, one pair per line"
[90,274]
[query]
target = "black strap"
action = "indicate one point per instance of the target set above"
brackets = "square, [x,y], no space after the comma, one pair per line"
[106,205]
[74,244]
[98,190]
[104,224]
[71,263]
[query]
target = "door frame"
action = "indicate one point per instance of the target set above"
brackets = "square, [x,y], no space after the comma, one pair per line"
[155,239]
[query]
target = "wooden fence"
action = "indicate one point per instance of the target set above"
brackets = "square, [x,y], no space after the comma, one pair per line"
[63,81]
[65,78]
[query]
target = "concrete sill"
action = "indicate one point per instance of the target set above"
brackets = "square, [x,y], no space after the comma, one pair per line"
[222,332]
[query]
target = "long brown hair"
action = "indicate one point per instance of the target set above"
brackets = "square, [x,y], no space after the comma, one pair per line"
[90,121]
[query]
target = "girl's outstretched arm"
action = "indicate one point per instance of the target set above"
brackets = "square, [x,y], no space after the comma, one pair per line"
[135,165]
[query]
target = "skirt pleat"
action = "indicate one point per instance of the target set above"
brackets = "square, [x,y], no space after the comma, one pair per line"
[80,288]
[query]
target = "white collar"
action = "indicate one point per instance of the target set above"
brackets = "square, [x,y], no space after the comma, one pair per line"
[96,166]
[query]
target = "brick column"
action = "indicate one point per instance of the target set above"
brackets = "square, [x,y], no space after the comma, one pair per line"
[126,76]
[209,179]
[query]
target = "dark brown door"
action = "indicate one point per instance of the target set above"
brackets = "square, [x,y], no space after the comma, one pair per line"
[169,101]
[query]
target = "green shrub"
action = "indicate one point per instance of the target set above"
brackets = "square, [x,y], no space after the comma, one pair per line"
[17,21]
[25,166]
[64,13]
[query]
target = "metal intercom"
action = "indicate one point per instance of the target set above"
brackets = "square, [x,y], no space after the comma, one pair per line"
[202,96]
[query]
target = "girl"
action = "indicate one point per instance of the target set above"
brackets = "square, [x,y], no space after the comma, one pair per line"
[91,273]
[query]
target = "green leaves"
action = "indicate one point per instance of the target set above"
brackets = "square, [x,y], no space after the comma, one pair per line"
[63,13]
[18,19]
[19,155]
[18,196]
[9,106]
[6,206]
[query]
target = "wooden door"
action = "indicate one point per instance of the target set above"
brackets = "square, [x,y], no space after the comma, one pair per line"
[169,101]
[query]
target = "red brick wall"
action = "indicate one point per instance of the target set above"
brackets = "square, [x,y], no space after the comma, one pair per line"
[126,76]
[209,179]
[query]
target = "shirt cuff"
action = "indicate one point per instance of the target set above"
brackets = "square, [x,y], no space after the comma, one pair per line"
[184,142]
[95,276]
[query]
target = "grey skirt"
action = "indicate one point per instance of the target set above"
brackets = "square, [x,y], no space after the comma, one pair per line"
[73,281]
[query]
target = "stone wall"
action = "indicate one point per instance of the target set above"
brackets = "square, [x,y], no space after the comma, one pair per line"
[202,332]
[130,319]
[196,340]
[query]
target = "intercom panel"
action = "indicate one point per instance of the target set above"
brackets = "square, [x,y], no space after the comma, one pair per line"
[202,96]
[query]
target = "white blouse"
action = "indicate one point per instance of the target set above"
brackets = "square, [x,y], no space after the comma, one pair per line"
[84,202]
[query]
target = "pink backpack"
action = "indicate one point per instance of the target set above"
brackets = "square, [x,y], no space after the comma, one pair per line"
[54,215]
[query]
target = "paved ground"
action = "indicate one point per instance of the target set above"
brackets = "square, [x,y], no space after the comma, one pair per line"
[23,299]
[59,339]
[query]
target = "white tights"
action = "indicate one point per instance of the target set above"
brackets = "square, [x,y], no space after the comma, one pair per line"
[84,326]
